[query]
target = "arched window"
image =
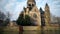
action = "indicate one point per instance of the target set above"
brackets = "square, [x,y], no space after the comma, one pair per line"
[34,15]
[32,5]
[29,5]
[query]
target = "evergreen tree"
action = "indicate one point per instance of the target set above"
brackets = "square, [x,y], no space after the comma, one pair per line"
[24,21]
[20,20]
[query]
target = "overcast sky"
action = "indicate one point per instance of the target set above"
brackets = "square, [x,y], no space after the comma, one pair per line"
[16,6]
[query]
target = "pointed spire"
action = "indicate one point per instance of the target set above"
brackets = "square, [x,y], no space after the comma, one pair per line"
[46,4]
[40,8]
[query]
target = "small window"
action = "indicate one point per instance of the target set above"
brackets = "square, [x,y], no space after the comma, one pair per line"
[29,4]
[34,15]
[33,5]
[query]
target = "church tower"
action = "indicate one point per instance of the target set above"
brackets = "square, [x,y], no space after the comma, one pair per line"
[42,17]
[31,4]
[47,15]
[37,17]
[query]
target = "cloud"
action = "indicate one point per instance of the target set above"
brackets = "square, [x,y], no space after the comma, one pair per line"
[15,8]
[2,2]
[9,7]
[55,8]
[19,8]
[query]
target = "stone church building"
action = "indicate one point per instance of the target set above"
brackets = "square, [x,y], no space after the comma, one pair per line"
[40,17]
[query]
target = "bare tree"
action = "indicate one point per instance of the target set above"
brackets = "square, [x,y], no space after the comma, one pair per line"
[8,18]
[2,18]
[58,19]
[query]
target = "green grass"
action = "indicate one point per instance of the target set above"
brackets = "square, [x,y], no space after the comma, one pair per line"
[35,32]
[50,31]
[10,32]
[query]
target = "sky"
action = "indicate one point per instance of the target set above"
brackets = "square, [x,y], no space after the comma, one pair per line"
[14,7]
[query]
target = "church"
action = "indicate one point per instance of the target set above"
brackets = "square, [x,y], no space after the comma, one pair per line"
[39,16]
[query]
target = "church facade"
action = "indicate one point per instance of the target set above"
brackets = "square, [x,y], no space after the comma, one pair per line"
[39,16]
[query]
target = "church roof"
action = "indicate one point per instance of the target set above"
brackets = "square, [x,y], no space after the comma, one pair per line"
[46,4]
[42,12]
